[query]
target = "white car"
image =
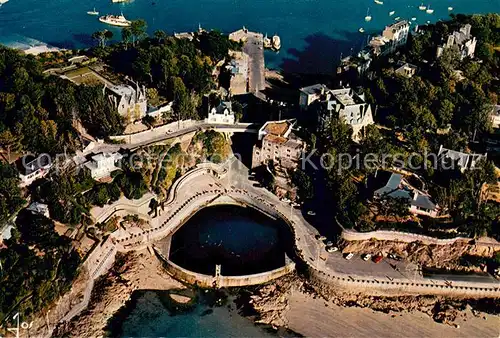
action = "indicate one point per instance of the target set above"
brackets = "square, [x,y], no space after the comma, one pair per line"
[367,257]
[349,256]
[311,213]
[322,238]
[331,249]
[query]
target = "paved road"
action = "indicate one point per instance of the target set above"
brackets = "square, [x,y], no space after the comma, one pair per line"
[256,69]
[110,148]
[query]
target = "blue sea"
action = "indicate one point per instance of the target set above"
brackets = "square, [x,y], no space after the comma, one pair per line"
[313,32]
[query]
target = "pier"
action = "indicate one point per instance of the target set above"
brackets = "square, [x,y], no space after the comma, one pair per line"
[253,46]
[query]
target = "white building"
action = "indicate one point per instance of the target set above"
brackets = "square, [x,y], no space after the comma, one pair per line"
[310,94]
[39,208]
[344,103]
[34,169]
[406,70]
[393,37]
[129,100]
[222,114]
[495,116]
[462,40]
[102,165]
[452,159]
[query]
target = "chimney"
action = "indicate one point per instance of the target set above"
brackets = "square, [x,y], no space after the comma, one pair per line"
[415,195]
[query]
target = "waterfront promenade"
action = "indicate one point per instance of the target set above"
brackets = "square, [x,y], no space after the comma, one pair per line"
[211,184]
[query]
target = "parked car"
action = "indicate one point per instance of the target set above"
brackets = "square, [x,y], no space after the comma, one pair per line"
[349,256]
[311,213]
[367,257]
[332,249]
[378,258]
[322,238]
[329,243]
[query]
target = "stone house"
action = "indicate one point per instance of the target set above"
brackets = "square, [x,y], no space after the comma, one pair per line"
[102,165]
[129,100]
[462,40]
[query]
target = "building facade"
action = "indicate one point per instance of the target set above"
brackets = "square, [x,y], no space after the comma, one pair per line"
[222,114]
[462,40]
[102,165]
[129,100]
[34,170]
[393,37]
[278,143]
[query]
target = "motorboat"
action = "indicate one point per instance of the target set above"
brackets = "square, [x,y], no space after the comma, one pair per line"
[361,30]
[450,8]
[378,2]
[93,12]
[429,10]
[368,17]
[391,13]
[422,7]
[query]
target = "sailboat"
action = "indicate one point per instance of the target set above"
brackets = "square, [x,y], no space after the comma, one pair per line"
[94,12]
[378,2]
[429,10]
[368,17]
[422,7]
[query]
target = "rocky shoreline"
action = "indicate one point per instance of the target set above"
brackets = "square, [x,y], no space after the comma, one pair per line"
[276,305]
[271,303]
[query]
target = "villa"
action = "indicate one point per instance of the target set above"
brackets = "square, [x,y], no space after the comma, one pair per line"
[130,101]
[394,185]
[462,40]
[102,165]
[451,159]
[34,170]
[393,37]
[222,114]
[344,103]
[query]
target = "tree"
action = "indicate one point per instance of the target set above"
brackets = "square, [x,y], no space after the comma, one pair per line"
[126,36]
[445,112]
[99,36]
[9,142]
[160,35]
[138,30]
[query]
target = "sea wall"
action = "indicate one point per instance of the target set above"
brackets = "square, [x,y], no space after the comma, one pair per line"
[209,281]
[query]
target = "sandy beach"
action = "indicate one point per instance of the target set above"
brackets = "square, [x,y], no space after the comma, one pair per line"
[319,318]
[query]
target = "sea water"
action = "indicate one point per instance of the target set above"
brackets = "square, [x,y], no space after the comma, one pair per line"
[313,33]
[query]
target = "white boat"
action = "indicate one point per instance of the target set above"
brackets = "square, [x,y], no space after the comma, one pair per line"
[422,7]
[397,18]
[368,17]
[361,30]
[2,2]
[116,1]
[94,12]
[450,8]
[391,13]
[115,20]
[378,2]
[429,10]
[276,42]
[413,19]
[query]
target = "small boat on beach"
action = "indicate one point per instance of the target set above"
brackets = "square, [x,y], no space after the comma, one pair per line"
[378,2]
[368,17]
[429,10]
[391,13]
[94,12]
[422,7]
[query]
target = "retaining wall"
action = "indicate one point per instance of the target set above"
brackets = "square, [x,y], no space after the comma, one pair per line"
[388,235]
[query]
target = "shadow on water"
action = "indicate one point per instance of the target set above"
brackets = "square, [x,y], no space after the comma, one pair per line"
[322,53]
